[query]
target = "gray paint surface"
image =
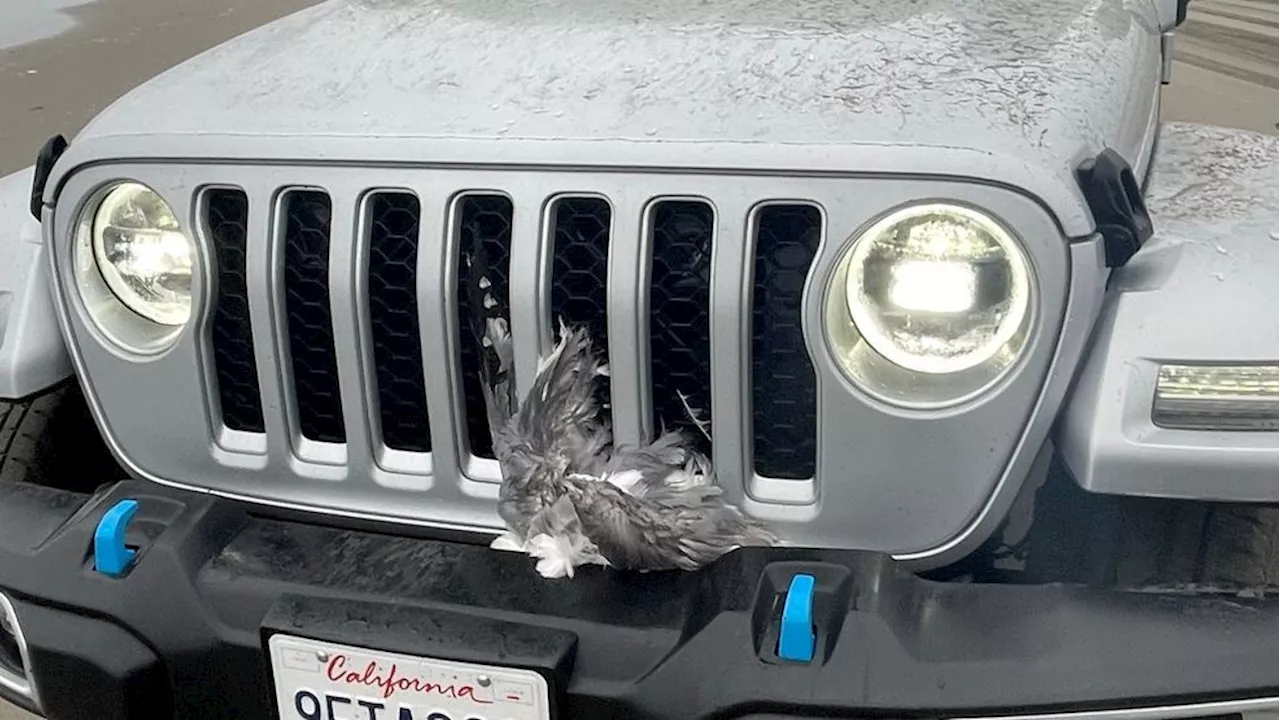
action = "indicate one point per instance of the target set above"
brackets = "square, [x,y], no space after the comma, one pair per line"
[887,479]
[33,355]
[1004,90]
[1030,79]
[1203,289]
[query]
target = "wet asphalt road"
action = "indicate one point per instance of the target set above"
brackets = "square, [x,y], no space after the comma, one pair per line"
[61,61]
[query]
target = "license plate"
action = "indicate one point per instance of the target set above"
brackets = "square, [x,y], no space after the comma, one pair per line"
[328,681]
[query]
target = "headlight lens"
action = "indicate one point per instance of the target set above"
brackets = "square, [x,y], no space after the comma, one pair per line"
[144,257]
[930,303]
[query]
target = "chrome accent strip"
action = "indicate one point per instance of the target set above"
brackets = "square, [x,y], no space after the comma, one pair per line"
[1263,707]
[24,685]
[1166,58]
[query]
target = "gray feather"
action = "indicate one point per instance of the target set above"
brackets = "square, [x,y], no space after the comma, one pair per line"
[553,447]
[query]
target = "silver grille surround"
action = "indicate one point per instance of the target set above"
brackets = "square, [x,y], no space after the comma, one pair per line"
[450,489]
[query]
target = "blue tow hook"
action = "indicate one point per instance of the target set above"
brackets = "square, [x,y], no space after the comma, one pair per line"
[110,555]
[796,639]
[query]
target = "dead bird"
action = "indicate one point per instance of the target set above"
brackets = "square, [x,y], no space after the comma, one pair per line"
[569,495]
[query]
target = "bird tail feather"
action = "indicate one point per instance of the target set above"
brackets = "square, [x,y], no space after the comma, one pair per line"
[560,407]
[490,329]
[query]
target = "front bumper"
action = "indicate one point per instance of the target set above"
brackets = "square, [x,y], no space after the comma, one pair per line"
[182,633]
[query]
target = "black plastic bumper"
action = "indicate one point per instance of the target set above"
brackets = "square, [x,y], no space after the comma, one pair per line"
[182,634]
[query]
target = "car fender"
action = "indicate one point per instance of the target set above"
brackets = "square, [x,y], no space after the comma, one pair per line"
[1201,290]
[33,353]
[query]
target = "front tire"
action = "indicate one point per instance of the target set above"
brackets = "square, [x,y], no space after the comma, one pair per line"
[1149,543]
[50,439]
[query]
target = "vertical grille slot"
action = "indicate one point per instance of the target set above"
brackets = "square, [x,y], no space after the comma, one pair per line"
[783,385]
[580,271]
[226,221]
[679,316]
[393,320]
[307,215]
[484,237]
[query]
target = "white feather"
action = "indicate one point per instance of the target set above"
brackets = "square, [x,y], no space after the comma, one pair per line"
[684,479]
[555,555]
[625,480]
[558,555]
[508,541]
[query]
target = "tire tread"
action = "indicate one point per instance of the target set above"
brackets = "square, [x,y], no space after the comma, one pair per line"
[51,440]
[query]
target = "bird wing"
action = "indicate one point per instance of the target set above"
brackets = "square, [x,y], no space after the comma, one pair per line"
[668,527]
[558,419]
[653,461]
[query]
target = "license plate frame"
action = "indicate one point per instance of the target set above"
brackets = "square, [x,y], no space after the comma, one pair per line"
[396,686]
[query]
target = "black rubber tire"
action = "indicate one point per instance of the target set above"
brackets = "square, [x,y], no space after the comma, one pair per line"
[50,439]
[1147,543]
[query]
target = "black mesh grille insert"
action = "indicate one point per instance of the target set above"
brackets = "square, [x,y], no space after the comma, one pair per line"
[485,234]
[393,317]
[782,379]
[680,316]
[579,271]
[306,283]
[227,220]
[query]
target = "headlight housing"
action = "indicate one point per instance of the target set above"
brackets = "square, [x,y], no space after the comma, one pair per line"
[134,266]
[930,304]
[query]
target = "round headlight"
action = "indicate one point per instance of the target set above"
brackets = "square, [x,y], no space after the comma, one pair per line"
[930,302]
[937,288]
[143,255]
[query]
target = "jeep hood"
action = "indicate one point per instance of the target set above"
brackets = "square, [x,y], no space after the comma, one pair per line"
[1013,91]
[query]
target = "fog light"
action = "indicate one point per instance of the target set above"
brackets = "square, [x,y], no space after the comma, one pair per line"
[1217,397]
[15,664]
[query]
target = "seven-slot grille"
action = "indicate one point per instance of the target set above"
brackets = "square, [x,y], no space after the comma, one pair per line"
[681,235]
